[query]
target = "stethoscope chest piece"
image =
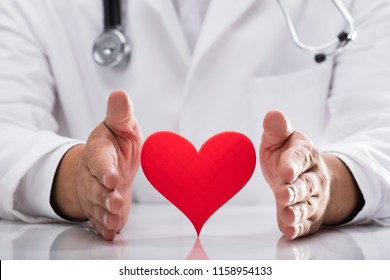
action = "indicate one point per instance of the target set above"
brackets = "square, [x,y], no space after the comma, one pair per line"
[111,49]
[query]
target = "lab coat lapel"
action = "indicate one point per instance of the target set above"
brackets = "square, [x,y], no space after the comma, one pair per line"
[167,12]
[220,17]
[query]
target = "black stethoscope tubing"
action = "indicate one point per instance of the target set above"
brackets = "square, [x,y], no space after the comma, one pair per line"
[112,13]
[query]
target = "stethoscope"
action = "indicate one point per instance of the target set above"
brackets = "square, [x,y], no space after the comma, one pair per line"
[330,48]
[112,49]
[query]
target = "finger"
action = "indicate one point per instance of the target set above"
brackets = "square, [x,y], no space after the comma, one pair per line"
[102,162]
[299,212]
[307,185]
[277,130]
[122,124]
[114,202]
[97,194]
[107,219]
[297,159]
[105,233]
[304,228]
[120,119]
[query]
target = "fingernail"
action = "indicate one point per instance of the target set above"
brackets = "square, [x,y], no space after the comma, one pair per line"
[106,182]
[291,194]
[289,126]
[107,203]
[297,231]
[297,214]
[295,171]
[104,179]
[105,218]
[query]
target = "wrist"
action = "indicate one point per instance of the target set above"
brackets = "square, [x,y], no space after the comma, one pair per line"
[346,199]
[64,197]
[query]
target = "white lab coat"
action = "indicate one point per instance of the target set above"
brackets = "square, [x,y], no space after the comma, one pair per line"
[52,94]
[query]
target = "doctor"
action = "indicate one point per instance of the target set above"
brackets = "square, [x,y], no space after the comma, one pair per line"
[197,68]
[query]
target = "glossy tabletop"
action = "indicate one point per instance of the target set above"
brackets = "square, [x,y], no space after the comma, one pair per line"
[160,231]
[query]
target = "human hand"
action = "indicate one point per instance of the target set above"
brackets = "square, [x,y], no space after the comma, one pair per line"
[94,180]
[297,175]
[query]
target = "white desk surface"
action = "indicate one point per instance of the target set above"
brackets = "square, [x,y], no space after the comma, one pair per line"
[162,232]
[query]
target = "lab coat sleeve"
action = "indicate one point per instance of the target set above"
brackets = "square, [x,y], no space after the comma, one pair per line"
[359,103]
[30,149]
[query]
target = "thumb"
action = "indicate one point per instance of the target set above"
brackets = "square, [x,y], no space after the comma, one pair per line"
[119,118]
[277,129]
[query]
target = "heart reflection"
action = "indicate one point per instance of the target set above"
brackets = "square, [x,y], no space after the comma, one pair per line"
[197,252]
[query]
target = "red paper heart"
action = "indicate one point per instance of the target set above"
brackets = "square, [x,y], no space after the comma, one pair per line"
[198,184]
